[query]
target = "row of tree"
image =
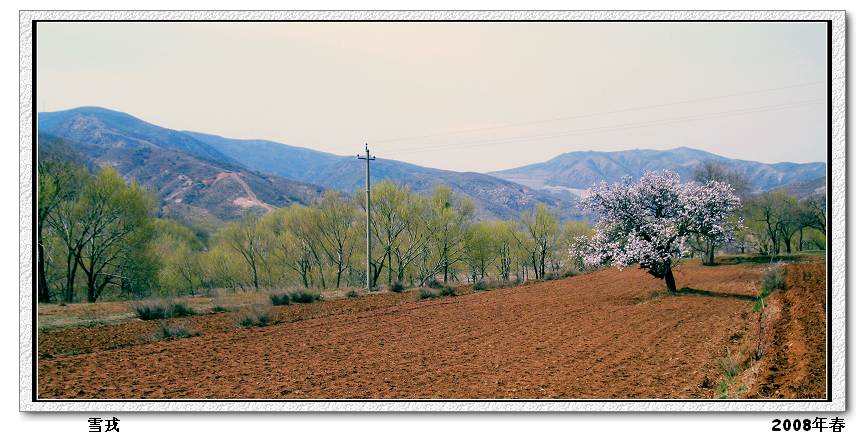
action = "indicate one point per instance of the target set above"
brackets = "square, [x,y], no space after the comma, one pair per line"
[416,239]
[766,221]
[97,236]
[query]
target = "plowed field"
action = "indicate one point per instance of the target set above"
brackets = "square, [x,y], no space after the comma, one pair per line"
[608,334]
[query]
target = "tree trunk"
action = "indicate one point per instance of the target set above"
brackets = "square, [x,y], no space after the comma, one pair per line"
[43,293]
[255,277]
[801,233]
[711,253]
[670,280]
[69,289]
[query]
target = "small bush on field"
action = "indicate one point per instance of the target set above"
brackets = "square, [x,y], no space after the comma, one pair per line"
[304,297]
[397,287]
[169,332]
[481,286]
[256,317]
[551,276]
[426,294]
[150,311]
[723,388]
[280,299]
[352,294]
[434,284]
[508,284]
[219,309]
[448,292]
[729,366]
[774,280]
[181,310]
[162,309]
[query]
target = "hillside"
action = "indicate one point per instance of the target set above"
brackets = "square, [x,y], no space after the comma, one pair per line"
[208,177]
[580,170]
[805,189]
[494,197]
[192,180]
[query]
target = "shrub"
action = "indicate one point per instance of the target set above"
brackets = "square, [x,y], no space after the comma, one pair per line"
[256,317]
[151,310]
[426,294]
[774,280]
[481,286]
[352,294]
[304,297]
[181,310]
[161,309]
[397,287]
[448,292]
[219,308]
[728,365]
[280,299]
[434,283]
[168,332]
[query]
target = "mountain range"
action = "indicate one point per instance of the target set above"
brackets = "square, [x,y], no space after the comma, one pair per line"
[578,171]
[204,177]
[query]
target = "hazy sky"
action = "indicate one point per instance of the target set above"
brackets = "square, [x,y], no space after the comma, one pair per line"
[465,96]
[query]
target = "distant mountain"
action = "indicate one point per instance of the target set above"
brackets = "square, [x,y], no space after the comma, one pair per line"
[805,189]
[578,171]
[199,176]
[192,180]
[203,176]
[101,127]
[494,197]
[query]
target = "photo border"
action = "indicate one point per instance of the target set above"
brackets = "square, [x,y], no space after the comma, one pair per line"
[836,248]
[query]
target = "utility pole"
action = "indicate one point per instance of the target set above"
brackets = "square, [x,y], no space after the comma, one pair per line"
[367,158]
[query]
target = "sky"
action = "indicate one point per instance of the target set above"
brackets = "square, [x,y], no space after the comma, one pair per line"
[465,96]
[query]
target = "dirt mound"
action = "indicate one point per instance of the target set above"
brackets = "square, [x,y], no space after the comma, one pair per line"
[794,365]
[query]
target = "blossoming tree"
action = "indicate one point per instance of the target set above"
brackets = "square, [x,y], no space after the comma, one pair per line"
[649,222]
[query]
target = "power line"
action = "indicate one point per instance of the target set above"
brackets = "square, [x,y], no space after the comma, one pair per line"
[586,115]
[614,128]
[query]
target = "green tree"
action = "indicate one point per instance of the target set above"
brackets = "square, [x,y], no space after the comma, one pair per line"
[178,250]
[447,217]
[507,247]
[542,227]
[115,225]
[389,218]
[248,240]
[59,182]
[480,249]
[222,267]
[337,223]
[569,247]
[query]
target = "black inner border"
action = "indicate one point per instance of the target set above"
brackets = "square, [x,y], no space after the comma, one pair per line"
[34,217]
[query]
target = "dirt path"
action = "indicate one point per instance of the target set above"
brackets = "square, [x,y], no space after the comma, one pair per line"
[607,334]
[251,200]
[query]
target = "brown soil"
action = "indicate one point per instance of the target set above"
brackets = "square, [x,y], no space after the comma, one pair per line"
[794,365]
[84,339]
[608,334]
